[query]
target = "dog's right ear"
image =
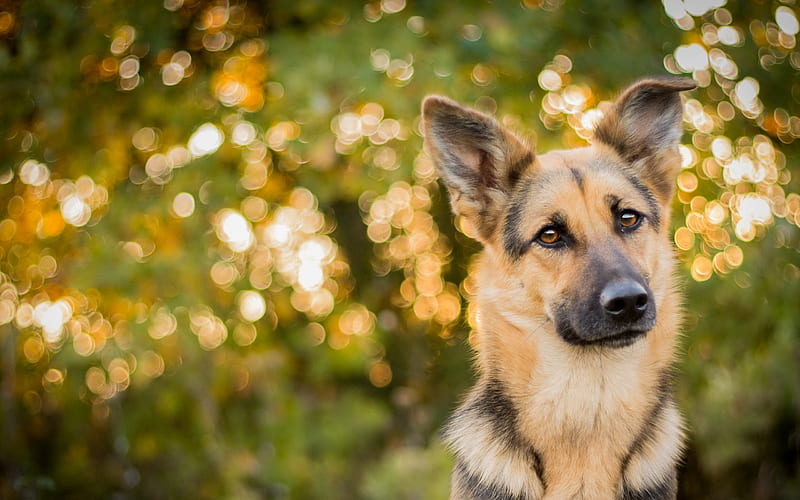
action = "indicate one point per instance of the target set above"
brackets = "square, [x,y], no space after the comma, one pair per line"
[478,160]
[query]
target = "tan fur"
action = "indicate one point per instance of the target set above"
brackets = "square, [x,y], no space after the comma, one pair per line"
[580,407]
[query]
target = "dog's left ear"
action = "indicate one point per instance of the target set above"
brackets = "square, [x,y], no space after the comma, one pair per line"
[644,127]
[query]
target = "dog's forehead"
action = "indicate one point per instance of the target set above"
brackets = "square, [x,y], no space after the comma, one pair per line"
[583,170]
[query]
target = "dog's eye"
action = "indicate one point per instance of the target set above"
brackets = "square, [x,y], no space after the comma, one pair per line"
[628,219]
[549,236]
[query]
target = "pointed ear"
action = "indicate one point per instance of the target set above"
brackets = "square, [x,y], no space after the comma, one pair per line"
[645,124]
[478,160]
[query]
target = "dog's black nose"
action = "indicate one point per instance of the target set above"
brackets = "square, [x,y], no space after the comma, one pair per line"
[624,300]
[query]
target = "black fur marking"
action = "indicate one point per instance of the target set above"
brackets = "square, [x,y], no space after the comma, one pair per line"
[516,169]
[472,488]
[514,244]
[665,490]
[494,407]
[664,396]
[652,203]
[576,174]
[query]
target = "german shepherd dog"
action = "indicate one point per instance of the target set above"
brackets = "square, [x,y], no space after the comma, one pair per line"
[577,312]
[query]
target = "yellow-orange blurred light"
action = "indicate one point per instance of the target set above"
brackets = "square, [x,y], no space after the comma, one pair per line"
[151,364]
[233,229]
[252,305]
[380,374]
[34,173]
[33,349]
[183,205]
[684,238]
[787,21]
[702,268]
[206,140]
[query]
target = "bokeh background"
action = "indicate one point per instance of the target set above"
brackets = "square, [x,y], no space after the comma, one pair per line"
[228,271]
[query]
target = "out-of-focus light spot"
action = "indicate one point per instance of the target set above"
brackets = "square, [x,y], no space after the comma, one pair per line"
[244,334]
[310,276]
[145,139]
[380,374]
[217,42]
[700,7]
[280,134]
[674,8]
[316,333]
[684,238]
[747,90]
[688,156]
[24,316]
[178,156]
[755,208]
[252,305]
[687,181]
[416,24]
[96,380]
[124,37]
[729,35]
[75,211]
[393,6]
[162,324]
[182,58]
[33,349]
[277,235]
[53,376]
[129,67]
[183,205]
[243,133]
[401,71]
[33,173]
[787,21]
[254,208]
[722,64]
[734,256]
[51,317]
[357,320]
[7,311]
[206,140]
[715,212]
[235,230]
[7,23]
[151,364]
[692,57]
[210,330]
[119,372]
[173,5]
[134,250]
[223,274]
[482,75]
[722,148]
[702,268]
[380,59]
[471,32]
[172,74]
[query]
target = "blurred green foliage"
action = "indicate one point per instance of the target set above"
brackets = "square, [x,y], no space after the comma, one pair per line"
[226,270]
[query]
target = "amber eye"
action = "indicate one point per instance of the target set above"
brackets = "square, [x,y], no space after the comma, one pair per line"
[549,236]
[629,219]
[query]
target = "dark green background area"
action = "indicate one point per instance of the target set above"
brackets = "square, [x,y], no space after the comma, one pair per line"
[310,422]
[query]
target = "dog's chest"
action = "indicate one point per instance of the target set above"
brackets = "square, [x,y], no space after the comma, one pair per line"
[583,417]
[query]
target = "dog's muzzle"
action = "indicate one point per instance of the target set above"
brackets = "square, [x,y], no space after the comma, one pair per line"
[617,315]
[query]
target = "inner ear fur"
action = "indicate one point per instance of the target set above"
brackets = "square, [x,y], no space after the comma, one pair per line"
[478,160]
[644,128]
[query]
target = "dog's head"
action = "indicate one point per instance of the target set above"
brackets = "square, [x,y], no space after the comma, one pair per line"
[582,231]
